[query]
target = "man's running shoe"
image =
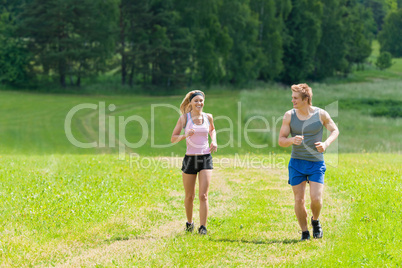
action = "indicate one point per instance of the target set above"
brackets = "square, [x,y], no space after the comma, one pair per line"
[202,230]
[317,229]
[189,227]
[305,236]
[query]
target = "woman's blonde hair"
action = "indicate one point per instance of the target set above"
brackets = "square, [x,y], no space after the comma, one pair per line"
[185,106]
[305,91]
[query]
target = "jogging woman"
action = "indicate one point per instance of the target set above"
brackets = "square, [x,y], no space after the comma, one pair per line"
[198,160]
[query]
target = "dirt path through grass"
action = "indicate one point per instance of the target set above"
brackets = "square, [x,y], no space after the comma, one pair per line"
[234,194]
[144,246]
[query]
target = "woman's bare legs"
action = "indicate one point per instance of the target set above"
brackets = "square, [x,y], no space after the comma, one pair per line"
[204,179]
[189,188]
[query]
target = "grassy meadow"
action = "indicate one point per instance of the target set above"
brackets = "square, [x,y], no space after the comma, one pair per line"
[96,211]
[66,206]
[246,119]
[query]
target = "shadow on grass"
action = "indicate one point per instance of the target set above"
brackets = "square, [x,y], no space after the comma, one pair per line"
[257,242]
[117,238]
[143,237]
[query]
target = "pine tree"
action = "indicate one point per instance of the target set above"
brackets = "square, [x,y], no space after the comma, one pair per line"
[378,12]
[170,45]
[211,40]
[271,16]
[72,37]
[245,57]
[358,22]
[15,68]
[155,48]
[303,29]
[390,37]
[331,52]
[384,60]
[134,20]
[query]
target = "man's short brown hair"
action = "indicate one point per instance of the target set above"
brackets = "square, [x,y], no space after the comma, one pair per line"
[305,91]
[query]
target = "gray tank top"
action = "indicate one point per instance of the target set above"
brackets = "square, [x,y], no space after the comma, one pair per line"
[311,129]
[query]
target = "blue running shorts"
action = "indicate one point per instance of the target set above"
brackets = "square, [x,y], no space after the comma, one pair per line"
[304,170]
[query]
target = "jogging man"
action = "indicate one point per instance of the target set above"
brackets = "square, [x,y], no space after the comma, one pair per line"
[305,124]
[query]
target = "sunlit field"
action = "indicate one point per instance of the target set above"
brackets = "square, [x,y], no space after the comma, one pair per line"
[114,205]
[37,123]
[82,210]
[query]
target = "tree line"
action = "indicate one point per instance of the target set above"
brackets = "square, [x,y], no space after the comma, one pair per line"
[171,43]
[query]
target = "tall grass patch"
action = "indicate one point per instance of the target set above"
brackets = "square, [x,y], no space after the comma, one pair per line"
[68,201]
[366,114]
[372,185]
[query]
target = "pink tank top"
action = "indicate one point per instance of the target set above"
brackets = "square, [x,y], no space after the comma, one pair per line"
[197,144]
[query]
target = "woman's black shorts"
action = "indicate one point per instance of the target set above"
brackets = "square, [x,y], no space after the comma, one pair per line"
[192,164]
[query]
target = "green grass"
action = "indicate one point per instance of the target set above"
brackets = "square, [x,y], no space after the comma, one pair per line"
[61,204]
[35,123]
[98,211]
[371,184]
[375,50]
[62,201]
[360,130]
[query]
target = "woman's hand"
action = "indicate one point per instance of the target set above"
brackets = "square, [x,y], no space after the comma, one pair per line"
[214,147]
[190,133]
